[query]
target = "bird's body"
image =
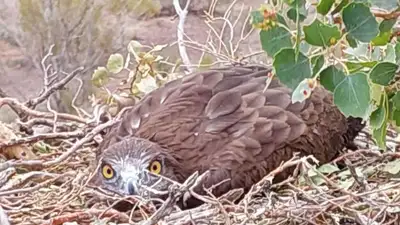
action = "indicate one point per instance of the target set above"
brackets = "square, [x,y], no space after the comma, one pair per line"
[224,121]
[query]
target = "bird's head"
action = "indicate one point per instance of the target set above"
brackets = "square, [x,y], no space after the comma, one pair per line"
[132,165]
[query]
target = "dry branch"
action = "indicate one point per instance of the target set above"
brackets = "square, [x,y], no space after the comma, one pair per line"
[14,103]
[43,164]
[182,13]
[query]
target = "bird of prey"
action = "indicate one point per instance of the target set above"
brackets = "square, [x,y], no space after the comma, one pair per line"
[222,120]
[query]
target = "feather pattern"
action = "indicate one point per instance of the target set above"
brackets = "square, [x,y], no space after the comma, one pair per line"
[222,120]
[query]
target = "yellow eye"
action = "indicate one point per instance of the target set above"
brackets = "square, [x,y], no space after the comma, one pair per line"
[155,167]
[108,172]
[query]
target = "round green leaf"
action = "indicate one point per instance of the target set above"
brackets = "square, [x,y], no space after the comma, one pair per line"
[331,77]
[385,32]
[352,42]
[396,117]
[100,77]
[115,63]
[377,117]
[147,84]
[383,73]
[396,100]
[297,7]
[324,6]
[352,95]
[317,62]
[289,70]
[320,34]
[359,22]
[292,14]
[339,7]
[274,39]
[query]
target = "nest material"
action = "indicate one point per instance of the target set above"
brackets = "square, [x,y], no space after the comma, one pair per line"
[365,191]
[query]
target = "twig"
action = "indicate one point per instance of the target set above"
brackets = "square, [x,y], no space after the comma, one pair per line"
[64,156]
[39,137]
[182,13]
[174,194]
[13,103]
[46,94]
[88,214]
[30,189]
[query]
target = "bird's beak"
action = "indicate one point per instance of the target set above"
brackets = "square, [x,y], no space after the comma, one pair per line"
[130,182]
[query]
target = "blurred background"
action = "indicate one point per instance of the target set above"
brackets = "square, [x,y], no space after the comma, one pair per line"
[85,33]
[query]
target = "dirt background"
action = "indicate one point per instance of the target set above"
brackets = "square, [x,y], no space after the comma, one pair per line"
[20,78]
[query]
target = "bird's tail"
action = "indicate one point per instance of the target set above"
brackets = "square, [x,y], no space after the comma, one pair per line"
[354,126]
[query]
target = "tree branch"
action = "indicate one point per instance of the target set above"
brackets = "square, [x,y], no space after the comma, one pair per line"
[182,13]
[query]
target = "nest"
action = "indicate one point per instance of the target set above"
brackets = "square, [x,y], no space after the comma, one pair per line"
[365,191]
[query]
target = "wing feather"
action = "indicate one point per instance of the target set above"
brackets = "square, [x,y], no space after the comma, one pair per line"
[223,119]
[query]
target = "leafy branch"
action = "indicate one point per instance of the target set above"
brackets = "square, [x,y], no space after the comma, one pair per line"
[350,47]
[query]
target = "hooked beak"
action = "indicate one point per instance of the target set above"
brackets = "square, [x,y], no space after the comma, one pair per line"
[131,186]
[130,182]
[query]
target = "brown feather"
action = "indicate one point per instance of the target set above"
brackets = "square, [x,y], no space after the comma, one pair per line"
[222,120]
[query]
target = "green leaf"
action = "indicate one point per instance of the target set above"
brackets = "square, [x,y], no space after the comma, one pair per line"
[387,25]
[274,39]
[396,117]
[377,117]
[376,92]
[292,14]
[318,180]
[320,34]
[382,39]
[317,62]
[346,173]
[324,6]
[256,17]
[297,6]
[352,95]
[388,5]
[383,73]
[304,47]
[330,77]
[359,22]
[281,19]
[396,100]
[289,70]
[356,66]
[379,134]
[328,168]
[339,8]
[390,54]
[352,42]
[147,84]
[361,52]
[385,32]
[115,63]
[392,167]
[397,51]
[303,90]
[376,53]
[100,77]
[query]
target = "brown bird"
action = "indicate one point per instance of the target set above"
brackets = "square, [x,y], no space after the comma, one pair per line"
[221,120]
